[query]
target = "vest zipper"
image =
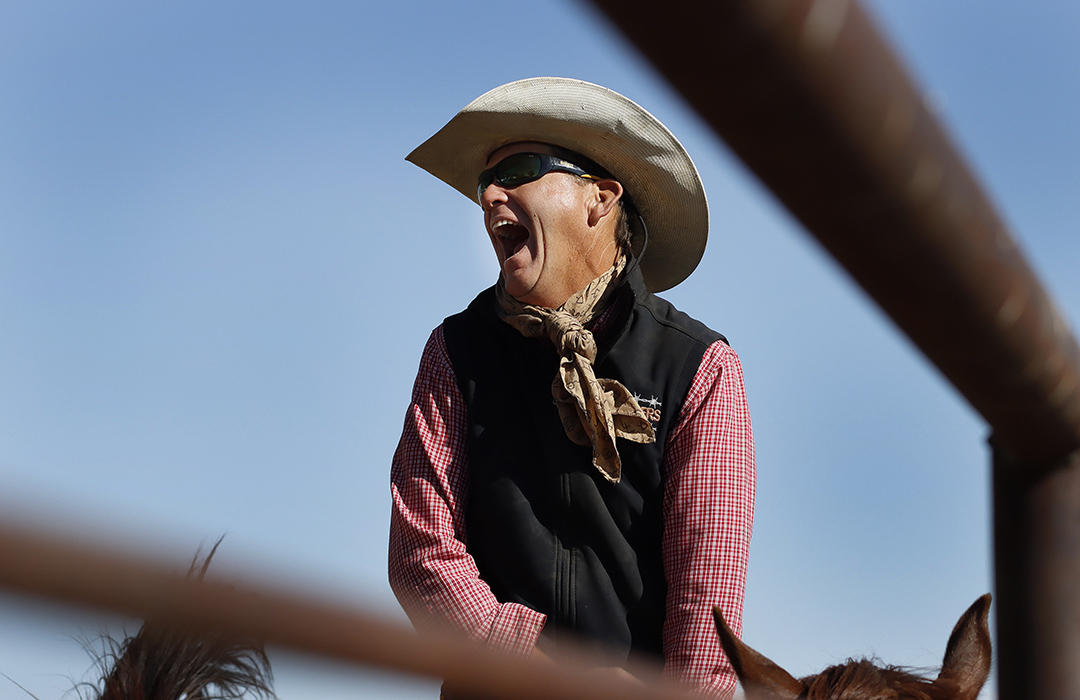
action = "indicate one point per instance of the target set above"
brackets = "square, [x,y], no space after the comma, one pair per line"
[563,557]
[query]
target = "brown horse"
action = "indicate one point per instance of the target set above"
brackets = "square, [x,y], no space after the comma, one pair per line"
[963,672]
[159,663]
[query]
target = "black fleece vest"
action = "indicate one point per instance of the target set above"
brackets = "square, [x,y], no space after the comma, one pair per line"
[544,526]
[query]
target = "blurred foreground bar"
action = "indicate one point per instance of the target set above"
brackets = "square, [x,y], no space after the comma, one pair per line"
[812,99]
[54,567]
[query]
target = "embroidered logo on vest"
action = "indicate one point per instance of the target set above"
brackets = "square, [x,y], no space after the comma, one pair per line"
[650,407]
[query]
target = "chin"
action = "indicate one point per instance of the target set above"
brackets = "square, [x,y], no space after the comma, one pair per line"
[517,287]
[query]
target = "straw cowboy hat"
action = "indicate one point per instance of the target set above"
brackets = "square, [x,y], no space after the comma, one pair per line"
[602,125]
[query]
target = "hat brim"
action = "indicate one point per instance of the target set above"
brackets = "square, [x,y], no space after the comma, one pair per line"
[606,127]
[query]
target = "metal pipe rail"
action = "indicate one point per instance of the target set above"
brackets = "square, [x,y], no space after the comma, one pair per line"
[809,95]
[811,98]
[33,563]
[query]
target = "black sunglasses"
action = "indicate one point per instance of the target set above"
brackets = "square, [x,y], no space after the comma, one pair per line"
[520,168]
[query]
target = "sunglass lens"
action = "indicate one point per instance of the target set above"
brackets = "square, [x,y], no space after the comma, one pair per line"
[518,169]
[512,171]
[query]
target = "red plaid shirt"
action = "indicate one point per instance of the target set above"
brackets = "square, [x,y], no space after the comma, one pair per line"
[708,517]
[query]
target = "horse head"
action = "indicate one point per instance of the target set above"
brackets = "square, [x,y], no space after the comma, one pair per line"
[963,672]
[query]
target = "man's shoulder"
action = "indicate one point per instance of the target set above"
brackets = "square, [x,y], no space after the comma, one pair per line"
[469,334]
[664,313]
[482,305]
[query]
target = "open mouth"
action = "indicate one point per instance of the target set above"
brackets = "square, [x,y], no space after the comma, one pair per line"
[511,237]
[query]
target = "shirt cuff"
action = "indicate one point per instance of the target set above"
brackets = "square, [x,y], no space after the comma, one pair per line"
[516,629]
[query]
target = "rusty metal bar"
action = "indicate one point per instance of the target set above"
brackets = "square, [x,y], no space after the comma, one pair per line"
[811,98]
[808,94]
[1037,538]
[38,564]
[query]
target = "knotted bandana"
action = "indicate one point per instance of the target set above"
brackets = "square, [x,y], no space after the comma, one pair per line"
[593,411]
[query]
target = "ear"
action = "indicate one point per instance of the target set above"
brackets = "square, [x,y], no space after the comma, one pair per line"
[761,679]
[967,655]
[609,192]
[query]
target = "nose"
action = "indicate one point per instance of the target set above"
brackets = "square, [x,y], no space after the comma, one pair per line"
[493,194]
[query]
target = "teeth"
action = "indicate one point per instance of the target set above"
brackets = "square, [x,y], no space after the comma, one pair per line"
[499,224]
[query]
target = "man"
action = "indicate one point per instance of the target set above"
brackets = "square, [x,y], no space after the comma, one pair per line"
[577,459]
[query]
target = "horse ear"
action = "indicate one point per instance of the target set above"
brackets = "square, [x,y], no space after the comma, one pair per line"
[967,655]
[761,679]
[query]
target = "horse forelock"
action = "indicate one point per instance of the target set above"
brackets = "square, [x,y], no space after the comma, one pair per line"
[161,664]
[864,680]
[164,663]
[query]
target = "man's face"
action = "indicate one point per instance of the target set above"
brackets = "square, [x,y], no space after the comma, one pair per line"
[552,236]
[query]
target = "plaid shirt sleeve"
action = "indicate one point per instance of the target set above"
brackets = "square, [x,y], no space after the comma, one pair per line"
[434,577]
[708,518]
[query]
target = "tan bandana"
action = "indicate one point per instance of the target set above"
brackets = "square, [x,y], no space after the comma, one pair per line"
[593,411]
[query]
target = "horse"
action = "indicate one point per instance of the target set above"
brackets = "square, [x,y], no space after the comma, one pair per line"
[963,671]
[160,663]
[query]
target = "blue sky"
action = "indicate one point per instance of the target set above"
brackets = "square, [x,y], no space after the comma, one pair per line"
[217,273]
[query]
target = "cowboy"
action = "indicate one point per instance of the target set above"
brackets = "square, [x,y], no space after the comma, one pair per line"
[577,461]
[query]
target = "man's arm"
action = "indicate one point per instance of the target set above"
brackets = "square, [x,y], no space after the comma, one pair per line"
[708,518]
[434,577]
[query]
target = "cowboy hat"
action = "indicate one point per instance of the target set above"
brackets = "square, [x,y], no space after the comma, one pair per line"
[655,170]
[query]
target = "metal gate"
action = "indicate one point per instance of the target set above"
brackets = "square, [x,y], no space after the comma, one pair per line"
[838,104]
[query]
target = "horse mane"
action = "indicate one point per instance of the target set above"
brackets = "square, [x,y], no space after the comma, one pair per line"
[865,679]
[159,663]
